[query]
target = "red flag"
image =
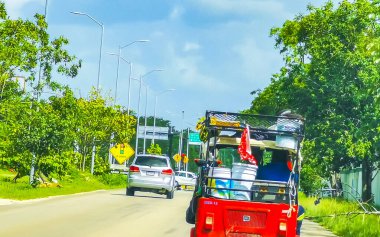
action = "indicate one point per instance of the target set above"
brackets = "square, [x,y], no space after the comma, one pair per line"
[244,148]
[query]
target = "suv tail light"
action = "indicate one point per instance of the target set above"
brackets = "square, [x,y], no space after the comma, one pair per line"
[133,168]
[167,172]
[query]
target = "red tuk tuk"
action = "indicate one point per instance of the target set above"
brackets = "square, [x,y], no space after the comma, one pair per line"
[249,176]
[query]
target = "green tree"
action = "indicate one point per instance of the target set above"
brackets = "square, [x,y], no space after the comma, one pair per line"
[154,149]
[332,79]
[123,125]
[97,123]
[27,50]
[15,120]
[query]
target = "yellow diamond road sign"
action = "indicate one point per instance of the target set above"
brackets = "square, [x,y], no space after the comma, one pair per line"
[122,152]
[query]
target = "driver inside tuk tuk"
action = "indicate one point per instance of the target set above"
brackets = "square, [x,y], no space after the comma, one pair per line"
[277,169]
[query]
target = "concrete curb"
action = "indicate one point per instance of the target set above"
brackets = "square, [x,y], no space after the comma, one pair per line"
[4,202]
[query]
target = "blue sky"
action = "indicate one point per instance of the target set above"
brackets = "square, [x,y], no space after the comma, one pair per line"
[213,52]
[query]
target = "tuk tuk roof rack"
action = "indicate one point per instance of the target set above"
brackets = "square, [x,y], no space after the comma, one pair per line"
[259,124]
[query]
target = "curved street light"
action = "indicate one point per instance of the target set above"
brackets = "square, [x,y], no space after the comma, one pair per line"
[97,84]
[146,105]
[155,105]
[101,43]
[130,70]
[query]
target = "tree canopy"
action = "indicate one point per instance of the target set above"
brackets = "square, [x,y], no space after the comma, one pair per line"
[52,134]
[332,78]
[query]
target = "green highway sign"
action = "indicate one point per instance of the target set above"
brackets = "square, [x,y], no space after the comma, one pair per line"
[194,138]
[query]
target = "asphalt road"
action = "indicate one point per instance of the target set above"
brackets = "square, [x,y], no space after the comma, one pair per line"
[102,213]
[106,214]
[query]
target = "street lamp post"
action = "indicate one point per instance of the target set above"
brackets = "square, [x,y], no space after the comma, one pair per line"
[187,147]
[46,7]
[146,106]
[130,68]
[155,105]
[130,71]
[181,139]
[101,43]
[138,107]
[97,84]
[117,76]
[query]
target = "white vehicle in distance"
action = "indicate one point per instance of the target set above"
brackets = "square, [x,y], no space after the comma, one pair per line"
[185,179]
[151,173]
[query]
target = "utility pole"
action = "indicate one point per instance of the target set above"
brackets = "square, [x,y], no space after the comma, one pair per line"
[180,140]
[93,158]
[46,8]
[187,147]
[170,137]
[32,167]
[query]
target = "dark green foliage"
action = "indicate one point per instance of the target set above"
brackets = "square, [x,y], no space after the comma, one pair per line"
[55,133]
[113,179]
[332,79]
[154,149]
[101,166]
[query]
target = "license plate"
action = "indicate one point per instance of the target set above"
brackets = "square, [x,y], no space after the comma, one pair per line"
[150,173]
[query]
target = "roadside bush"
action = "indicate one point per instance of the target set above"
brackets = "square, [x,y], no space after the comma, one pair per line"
[57,166]
[20,163]
[101,166]
[334,214]
[310,181]
[113,179]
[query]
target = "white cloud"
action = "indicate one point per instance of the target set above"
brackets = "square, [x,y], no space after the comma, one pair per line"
[257,64]
[15,7]
[243,7]
[187,69]
[176,12]
[189,46]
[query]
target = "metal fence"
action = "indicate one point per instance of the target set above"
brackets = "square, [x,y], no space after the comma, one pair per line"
[352,185]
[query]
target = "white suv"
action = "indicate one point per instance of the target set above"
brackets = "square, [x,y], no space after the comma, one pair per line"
[185,178]
[151,173]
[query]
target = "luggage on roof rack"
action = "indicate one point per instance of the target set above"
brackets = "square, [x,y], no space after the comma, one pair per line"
[238,121]
[286,131]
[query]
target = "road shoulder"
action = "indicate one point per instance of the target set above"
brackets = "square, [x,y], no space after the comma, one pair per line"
[312,229]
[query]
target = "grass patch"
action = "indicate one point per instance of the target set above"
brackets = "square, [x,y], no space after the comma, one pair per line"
[76,182]
[351,225]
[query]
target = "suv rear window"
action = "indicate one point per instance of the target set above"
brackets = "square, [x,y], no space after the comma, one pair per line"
[151,161]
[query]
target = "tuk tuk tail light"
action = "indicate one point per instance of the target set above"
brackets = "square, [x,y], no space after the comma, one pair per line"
[282,226]
[209,221]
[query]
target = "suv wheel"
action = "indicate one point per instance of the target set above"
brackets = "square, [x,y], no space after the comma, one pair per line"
[130,192]
[177,186]
[169,195]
